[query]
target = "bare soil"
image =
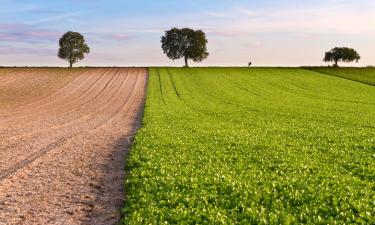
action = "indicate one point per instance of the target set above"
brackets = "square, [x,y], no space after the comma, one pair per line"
[63,143]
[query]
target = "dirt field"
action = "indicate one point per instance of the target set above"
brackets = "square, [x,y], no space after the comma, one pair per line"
[64,135]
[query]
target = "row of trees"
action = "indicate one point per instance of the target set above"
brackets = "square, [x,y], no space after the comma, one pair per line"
[186,43]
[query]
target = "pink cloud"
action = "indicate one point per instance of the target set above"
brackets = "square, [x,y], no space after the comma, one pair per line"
[7,50]
[26,33]
[120,37]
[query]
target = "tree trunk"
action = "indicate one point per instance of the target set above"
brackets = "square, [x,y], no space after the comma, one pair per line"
[186,62]
[70,62]
[336,63]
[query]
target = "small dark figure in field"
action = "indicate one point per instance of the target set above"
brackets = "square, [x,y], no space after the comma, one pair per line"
[249,65]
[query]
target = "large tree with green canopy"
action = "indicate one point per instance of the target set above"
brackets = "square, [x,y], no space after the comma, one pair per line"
[73,47]
[185,43]
[342,54]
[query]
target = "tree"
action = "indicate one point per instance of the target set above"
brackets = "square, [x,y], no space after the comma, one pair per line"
[73,47]
[185,43]
[342,54]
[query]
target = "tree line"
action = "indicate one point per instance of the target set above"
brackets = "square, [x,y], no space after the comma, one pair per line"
[186,44]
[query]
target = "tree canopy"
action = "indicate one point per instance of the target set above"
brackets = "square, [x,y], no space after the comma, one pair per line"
[342,54]
[185,43]
[73,47]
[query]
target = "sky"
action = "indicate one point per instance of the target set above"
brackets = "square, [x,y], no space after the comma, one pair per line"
[127,33]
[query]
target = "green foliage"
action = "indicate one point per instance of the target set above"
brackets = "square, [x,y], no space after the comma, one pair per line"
[341,54]
[259,146]
[73,47]
[185,43]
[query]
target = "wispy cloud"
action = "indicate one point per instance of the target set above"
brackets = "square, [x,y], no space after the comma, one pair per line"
[25,8]
[120,37]
[26,33]
[59,17]
[338,19]
[13,50]
[117,30]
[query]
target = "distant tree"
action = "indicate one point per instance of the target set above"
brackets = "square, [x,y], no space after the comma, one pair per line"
[73,47]
[342,54]
[185,43]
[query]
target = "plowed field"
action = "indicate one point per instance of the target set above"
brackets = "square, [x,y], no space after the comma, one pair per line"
[64,135]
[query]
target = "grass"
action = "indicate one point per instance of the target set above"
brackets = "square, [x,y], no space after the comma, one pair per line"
[363,75]
[253,146]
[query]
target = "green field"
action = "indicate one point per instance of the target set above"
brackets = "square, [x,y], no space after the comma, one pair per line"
[364,75]
[253,146]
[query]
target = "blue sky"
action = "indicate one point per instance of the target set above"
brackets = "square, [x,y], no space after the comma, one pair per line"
[126,33]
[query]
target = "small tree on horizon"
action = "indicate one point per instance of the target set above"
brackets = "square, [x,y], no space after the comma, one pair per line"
[73,47]
[185,43]
[342,54]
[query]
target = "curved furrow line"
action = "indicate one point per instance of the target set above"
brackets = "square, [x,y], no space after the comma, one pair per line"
[58,128]
[5,73]
[34,88]
[59,142]
[38,95]
[118,117]
[141,85]
[64,92]
[28,92]
[13,137]
[14,76]
[77,92]
[61,114]
[107,98]
[74,94]
[22,80]
[74,89]
[33,84]
[64,179]
[129,113]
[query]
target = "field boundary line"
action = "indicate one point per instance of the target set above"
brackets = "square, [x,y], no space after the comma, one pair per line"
[332,75]
[33,157]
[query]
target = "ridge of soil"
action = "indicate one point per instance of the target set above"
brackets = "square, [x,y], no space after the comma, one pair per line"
[63,149]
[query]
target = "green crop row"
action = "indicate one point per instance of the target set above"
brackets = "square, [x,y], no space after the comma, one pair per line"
[253,146]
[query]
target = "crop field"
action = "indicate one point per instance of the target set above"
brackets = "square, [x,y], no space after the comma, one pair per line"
[253,146]
[364,75]
[64,134]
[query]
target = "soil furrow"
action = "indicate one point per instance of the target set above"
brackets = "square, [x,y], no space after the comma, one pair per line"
[70,169]
[67,92]
[55,130]
[39,86]
[60,113]
[59,142]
